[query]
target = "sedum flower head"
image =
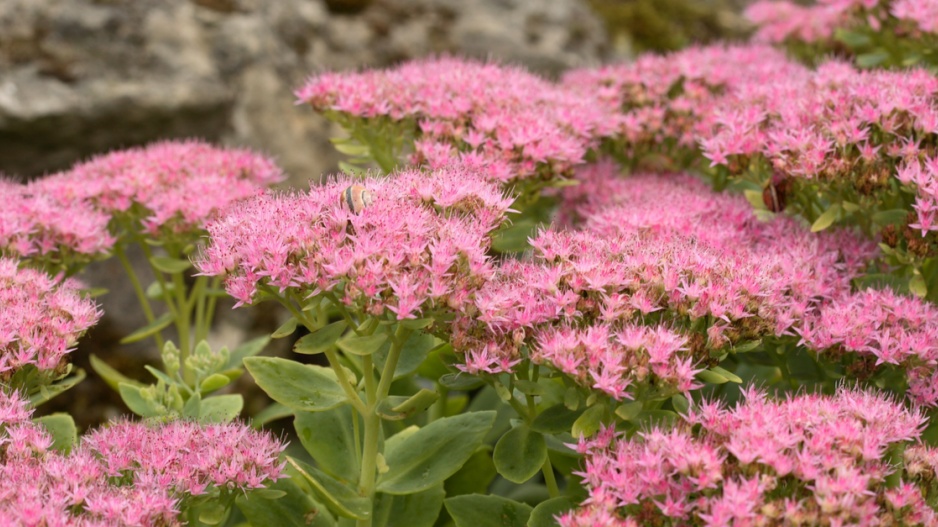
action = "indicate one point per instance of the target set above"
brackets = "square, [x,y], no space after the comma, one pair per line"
[34,226]
[40,319]
[127,474]
[652,250]
[506,121]
[804,460]
[421,244]
[169,187]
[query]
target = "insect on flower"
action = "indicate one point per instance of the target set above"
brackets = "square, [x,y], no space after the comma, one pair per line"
[357,197]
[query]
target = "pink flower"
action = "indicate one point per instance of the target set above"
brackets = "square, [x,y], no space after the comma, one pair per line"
[40,320]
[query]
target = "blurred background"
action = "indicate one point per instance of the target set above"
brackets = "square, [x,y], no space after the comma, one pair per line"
[81,77]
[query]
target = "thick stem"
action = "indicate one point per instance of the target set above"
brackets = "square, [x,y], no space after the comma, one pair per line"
[374,396]
[552,489]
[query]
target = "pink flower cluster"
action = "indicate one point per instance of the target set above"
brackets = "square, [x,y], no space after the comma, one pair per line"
[891,328]
[805,460]
[666,103]
[611,362]
[169,187]
[34,226]
[652,250]
[40,319]
[505,121]
[833,123]
[126,474]
[783,20]
[421,244]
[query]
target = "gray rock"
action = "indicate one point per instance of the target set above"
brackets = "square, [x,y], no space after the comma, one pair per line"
[78,77]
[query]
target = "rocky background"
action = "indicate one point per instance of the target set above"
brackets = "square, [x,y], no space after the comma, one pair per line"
[80,77]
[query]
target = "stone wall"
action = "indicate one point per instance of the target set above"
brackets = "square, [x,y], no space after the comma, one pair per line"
[79,77]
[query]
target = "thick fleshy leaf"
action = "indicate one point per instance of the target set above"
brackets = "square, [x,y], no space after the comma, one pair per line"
[340,498]
[543,515]
[137,401]
[364,345]
[475,510]
[433,453]
[415,350]
[220,408]
[475,476]
[520,453]
[170,265]
[62,428]
[412,510]
[328,437]
[293,509]
[320,340]
[300,386]
[555,420]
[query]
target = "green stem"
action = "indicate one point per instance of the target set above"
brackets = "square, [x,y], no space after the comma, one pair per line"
[183,325]
[552,489]
[197,301]
[138,289]
[374,396]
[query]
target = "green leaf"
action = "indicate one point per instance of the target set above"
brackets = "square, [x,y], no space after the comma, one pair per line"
[712,377]
[214,382]
[433,453]
[220,408]
[726,374]
[475,476]
[152,328]
[680,403]
[519,454]
[416,323]
[543,515]
[852,39]
[156,291]
[328,437]
[294,509]
[320,340]
[285,330]
[270,414]
[475,510]
[515,237]
[193,407]
[754,197]
[212,513]
[826,219]
[169,265]
[746,347]
[415,350]
[341,500]
[588,423]
[412,510]
[461,381]
[889,217]
[62,428]
[630,410]
[138,402]
[248,349]
[528,387]
[48,392]
[396,408]
[917,285]
[361,346]
[873,59]
[300,386]
[850,206]
[555,420]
